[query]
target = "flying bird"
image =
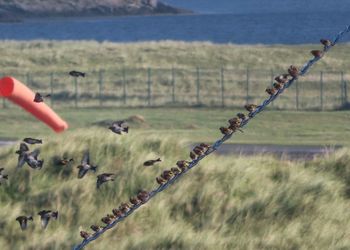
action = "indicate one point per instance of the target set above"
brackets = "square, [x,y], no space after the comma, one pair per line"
[65,161]
[119,127]
[85,166]
[45,216]
[32,159]
[40,98]
[75,73]
[3,177]
[32,141]
[151,162]
[102,178]
[23,221]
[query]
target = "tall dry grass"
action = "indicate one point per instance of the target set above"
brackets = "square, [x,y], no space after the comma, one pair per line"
[231,202]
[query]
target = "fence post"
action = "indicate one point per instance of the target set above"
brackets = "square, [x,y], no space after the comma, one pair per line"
[297,94]
[76,91]
[100,83]
[321,90]
[222,81]
[51,89]
[247,86]
[198,86]
[149,83]
[124,85]
[345,90]
[173,83]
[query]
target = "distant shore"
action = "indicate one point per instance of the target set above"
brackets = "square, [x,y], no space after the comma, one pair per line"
[18,13]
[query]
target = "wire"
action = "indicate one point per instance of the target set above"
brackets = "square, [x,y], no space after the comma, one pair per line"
[304,69]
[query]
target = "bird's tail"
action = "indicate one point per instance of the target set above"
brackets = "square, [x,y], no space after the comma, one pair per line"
[55,215]
[159,160]
[5,176]
[126,130]
[41,163]
[94,168]
[30,218]
[83,74]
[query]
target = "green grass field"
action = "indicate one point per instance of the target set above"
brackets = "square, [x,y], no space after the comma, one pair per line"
[225,203]
[173,73]
[195,125]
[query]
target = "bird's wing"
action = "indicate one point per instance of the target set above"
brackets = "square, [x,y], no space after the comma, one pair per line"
[35,153]
[99,182]
[21,161]
[44,221]
[23,224]
[86,158]
[82,172]
[23,147]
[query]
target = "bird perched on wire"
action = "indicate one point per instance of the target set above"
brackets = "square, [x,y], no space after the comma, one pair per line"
[117,213]
[241,116]
[317,53]
[96,228]
[176,171]
[102,178]
[32,141]
[125,207]
[143,196]
[23,221]
[271,91]
[135,201]
[119,127]
[250,107]
[282,78]
[293,71]
[183,165]
[84,234]
[75,73]
[226,131]
[167,175]
[151,162]
[160,180]
[45,216]
[3,177]
[85,166]
[40,98]
[326,42]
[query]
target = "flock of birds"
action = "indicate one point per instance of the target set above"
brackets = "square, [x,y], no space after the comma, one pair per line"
[120,127]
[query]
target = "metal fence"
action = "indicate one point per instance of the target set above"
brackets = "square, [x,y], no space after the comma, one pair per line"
[155,87]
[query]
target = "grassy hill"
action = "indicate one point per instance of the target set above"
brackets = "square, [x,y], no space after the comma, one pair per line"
[225,203]
[13,9]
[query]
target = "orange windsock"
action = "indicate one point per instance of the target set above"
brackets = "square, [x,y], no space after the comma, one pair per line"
[21,95]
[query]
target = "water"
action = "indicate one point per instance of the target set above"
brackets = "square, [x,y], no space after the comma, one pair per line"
[253,23]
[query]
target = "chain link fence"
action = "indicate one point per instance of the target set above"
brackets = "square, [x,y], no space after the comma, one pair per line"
[155,87]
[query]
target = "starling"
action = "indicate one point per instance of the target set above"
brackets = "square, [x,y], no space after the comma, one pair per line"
[250,107]
[183,165]
[204,145]
[135,201]
[193,155]
[40,98]
[271,91]
[32,159]
[22,152]
[235,121]
[32,141]
[117,213]
[107,220]
[282,78]
[143,196]
[75,73]
[65,161]
[242,116]
[85,166]
[119,126]
[3,176]
[277,85]
[46,215]
[160,181]
[96,228]
[151,162]
[326,42]
[23,221]
[167,175]
[226,131]
[84,234]
[102,178]
[317,53]
[199,151]
[176,171]
[124,208]
[293,71]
